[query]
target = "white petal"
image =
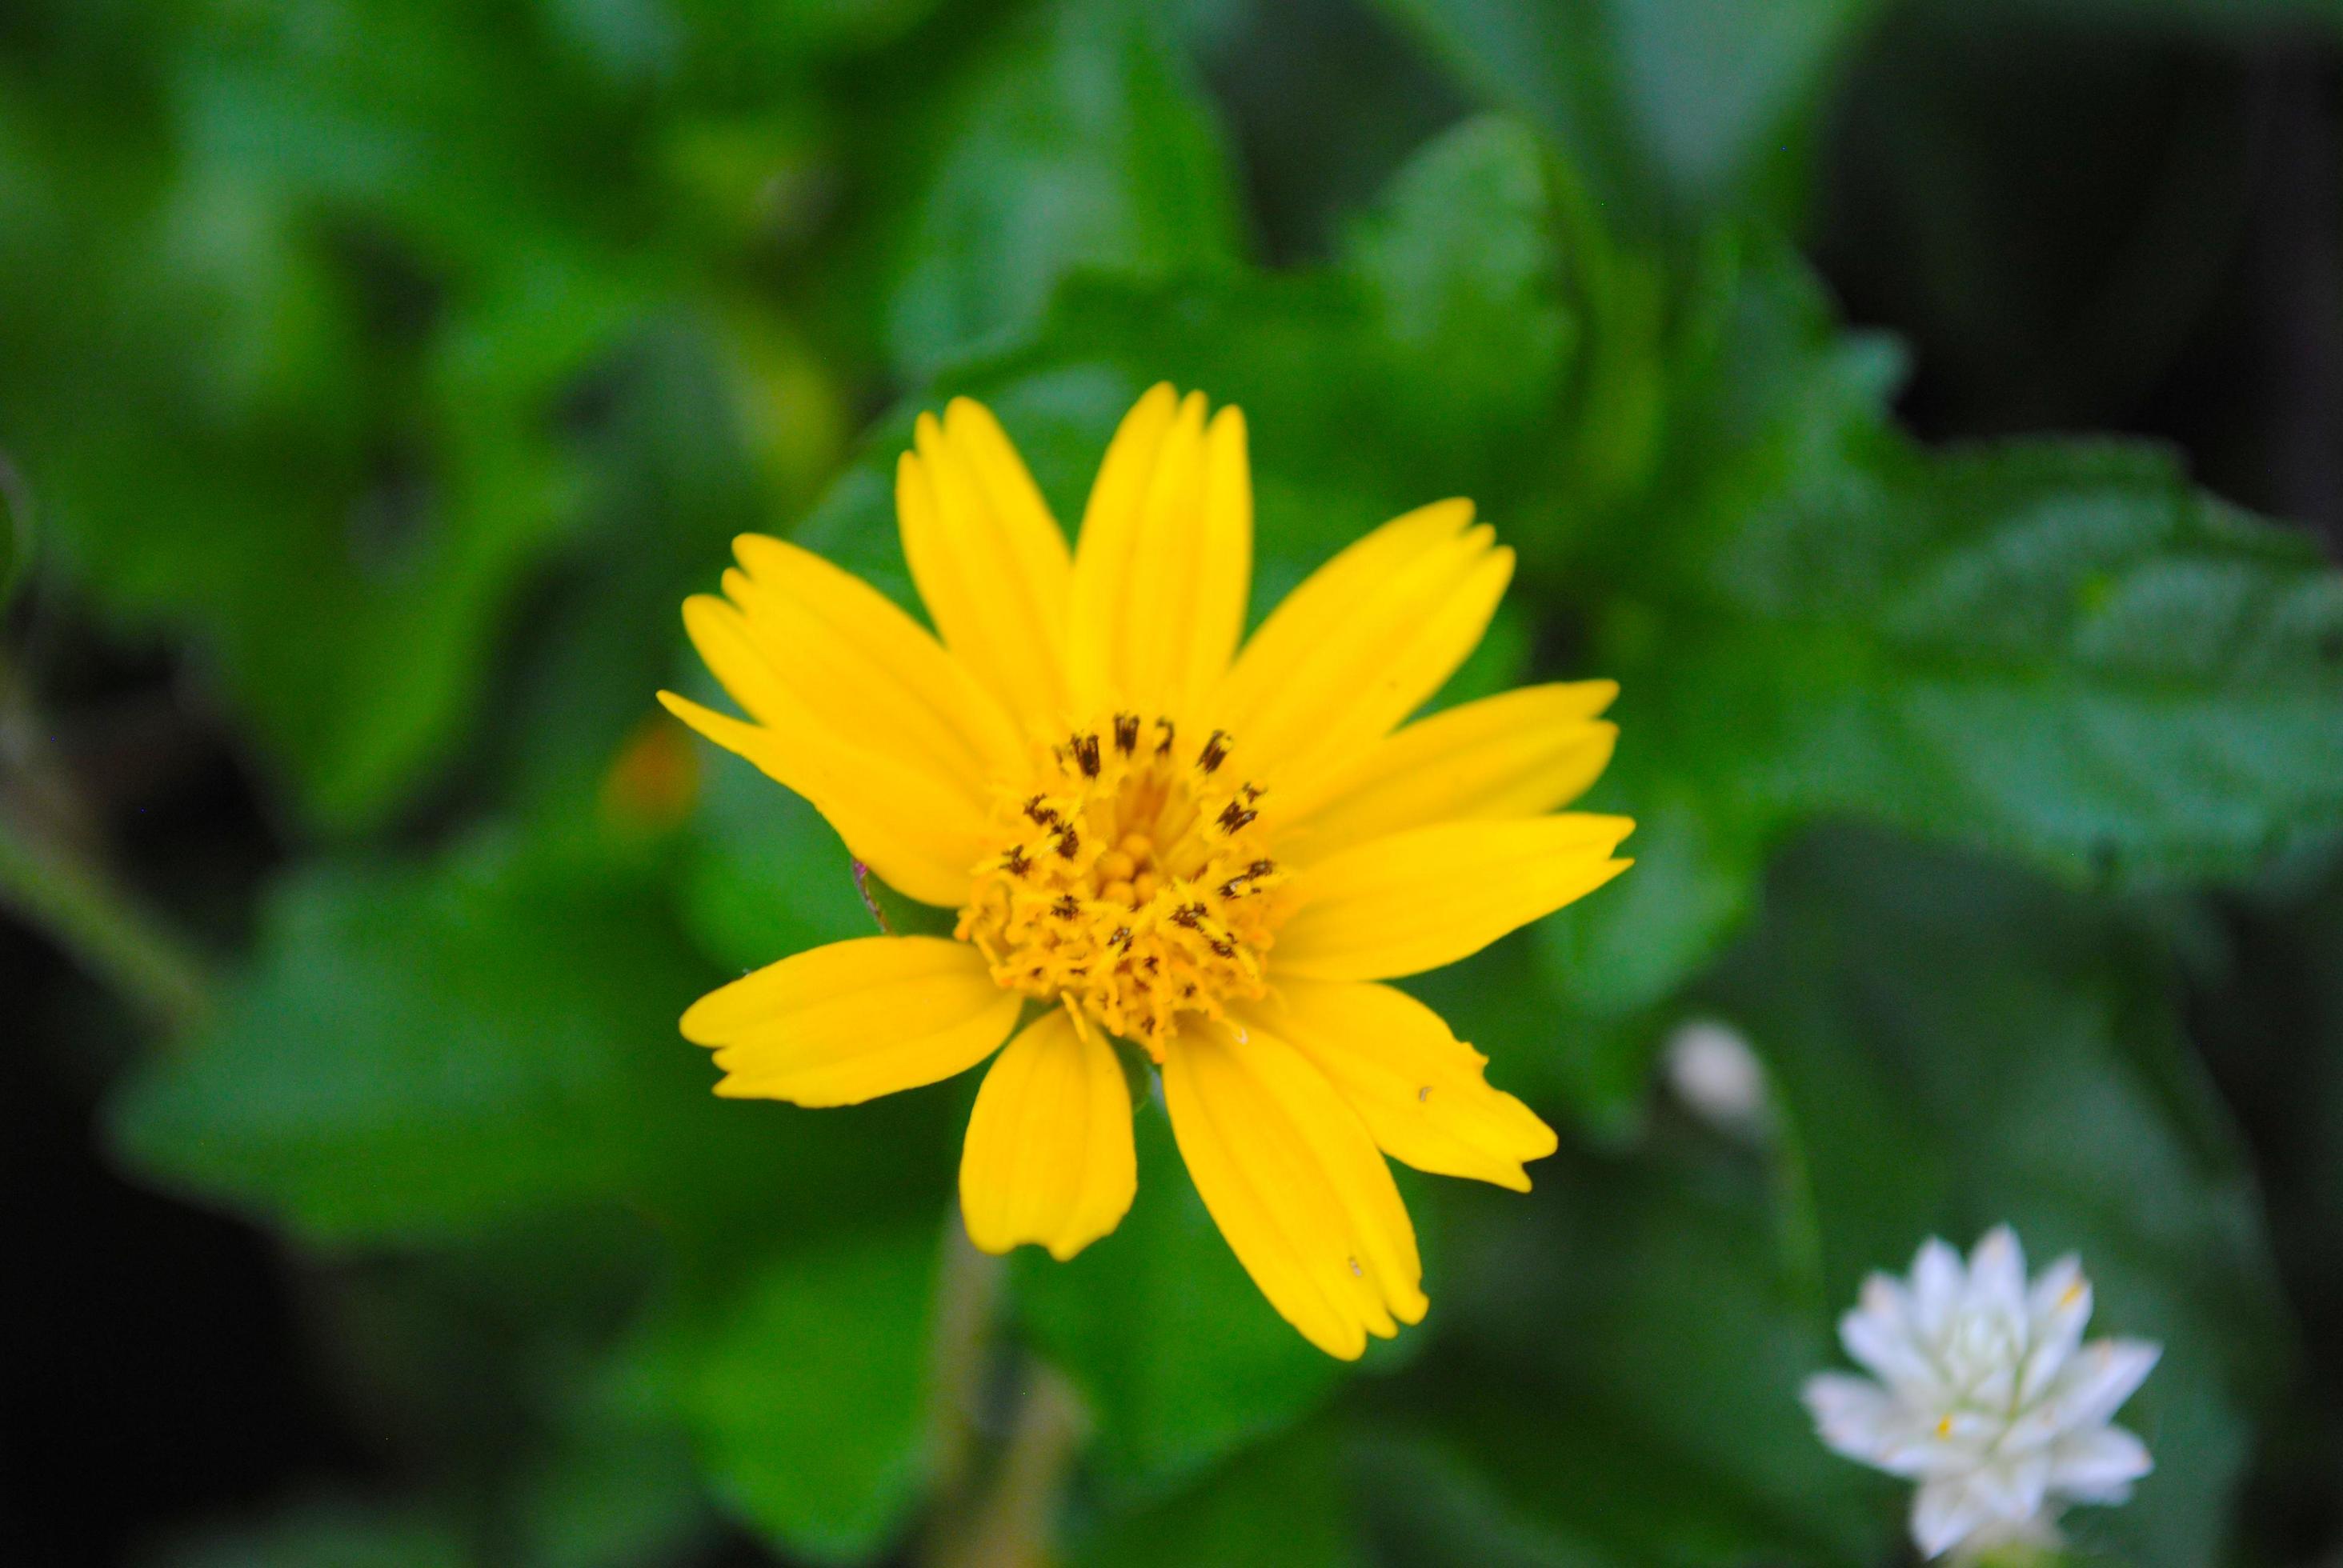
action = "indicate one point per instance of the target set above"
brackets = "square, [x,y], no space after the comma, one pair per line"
[2098,1381]
[2011,1489]
[2056,1309]
[1863,1421]
[1881,1335]
[1850,1413]
[1998,1388]
[2098,1466]
[1937,1282]
[1944,1514]
[1998,1275]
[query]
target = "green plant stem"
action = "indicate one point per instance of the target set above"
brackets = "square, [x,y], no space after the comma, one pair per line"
[1014,1524]
[968,1291]
[87,913]
[1004,1515]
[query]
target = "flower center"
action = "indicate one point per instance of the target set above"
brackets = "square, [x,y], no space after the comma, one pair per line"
[1132,883]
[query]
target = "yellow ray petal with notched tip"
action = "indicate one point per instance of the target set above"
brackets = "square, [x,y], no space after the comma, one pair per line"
[844,1024]
[1296,1185]
[1517,754]
[850,655]
[989,560]
[1415,900]
[1417,1087]
[919,836]
[1048,1156]
[1362,643]
[1165,558]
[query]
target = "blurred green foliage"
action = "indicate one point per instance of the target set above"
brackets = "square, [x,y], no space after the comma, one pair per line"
[400,365]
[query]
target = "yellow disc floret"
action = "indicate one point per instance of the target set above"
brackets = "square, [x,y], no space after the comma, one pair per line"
[1132,882]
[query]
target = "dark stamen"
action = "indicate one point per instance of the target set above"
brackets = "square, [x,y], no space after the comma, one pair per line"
[1126,733]
[1215,751]
[1163,733]
[1086,752]
[1070,843]
[1233,817]
[1067,906]
[1016,864]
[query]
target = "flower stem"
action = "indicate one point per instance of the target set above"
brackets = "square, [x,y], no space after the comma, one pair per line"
[92,917]
[1013,1525]
[1001,1514]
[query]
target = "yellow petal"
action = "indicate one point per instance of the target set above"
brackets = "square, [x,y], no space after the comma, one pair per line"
[860,664]
[920,836]
[1416,1086]
[1362,643]
[1419,900]
[853,1021]
[1518,754]
[990,561]
[1048,1156]
[1294,1182]
[1165,558]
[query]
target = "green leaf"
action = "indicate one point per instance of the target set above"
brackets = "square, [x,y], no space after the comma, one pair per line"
[1179,1358]
[1463,264]
[1283,1504]
[1956,1047]
[611,1491]
[2055,651]
[422,1052]
[1676,107]
[1618,1381]
[347,1534]
[765,877]
[15,529]
[1427,363]
[1079,141]
[805,1390]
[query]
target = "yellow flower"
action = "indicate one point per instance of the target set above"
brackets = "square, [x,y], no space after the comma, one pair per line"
[1211,854]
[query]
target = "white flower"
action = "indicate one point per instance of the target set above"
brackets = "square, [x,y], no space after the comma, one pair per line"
[1987,1395]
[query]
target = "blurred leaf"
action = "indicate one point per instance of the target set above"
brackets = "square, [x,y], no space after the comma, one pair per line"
[1462,262]
[343,1534]
[425,1050]
[1079,142]
[303,380]
[15,529]
[421,1052]
[1283,1504]
[1618,1383]
[2057,651]
[1956,1046]
[611,1492]
[2053,650]
[805,1390]
[1674,107]
[1426,365]
[765,876]
[1179,1358]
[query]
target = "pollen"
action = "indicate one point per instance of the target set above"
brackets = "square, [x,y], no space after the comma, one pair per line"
[1131,881]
